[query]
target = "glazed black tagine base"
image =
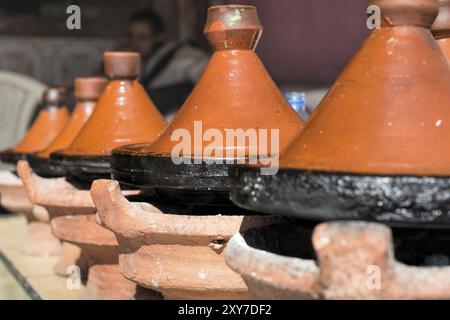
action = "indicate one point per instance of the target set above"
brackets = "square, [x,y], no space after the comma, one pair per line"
[403,201]
[45,167]
[191,184]
[12,157]
[84,168]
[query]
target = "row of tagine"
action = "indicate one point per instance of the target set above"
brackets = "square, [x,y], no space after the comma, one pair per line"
[162,229]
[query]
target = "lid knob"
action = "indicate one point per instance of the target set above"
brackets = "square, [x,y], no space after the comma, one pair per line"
[421,13]
[54,96]
[89,89]
[441,27]
[233,27]
[122,65]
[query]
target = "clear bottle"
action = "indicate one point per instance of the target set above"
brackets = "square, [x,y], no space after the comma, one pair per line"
[298,102]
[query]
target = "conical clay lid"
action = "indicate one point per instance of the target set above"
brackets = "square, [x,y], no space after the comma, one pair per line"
[234,92]
[388,113]
[50,121]
[124,113]
[441,27]
[87,92]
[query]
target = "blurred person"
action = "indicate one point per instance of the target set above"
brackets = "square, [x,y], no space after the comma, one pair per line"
[169,69]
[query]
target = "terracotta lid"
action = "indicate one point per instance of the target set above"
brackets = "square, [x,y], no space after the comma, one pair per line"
[87,91]
[441,26]
[124,113]
[388,112]
[51,119]
[235,90]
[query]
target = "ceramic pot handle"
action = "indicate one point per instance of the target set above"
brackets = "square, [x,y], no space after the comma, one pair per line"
[233,27]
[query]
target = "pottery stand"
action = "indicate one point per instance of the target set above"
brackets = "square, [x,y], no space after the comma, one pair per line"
[101,252]
[59,198]
[177,255]
[38,239]
[355,261]
[85,244]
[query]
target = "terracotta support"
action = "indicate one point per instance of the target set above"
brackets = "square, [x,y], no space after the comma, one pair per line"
[355,260]
[177,255]
[100,253]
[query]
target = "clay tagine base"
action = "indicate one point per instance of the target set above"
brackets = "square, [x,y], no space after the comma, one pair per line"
[38,240]
[100,252]
[355,260]
[396,200]
[180,256]
[13,196]
[61,197]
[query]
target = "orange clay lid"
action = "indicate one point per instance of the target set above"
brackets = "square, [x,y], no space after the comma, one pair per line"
[87,91]
[388,112]
[441,27]
[51,119]
[124,113]
[234,92]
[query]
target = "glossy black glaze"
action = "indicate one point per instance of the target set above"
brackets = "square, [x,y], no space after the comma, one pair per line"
[45,167]
[405,201]
[86,169]
[196,184]
[12,157]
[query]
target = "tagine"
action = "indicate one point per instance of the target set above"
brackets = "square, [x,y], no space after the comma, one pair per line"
[235,95]
[87,91]
[124,115]
[180,256]
[377,146]
[51,119]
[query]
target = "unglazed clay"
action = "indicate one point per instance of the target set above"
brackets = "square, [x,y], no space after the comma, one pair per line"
[355,260]
[13,197]
[100,253]
[50,121]
[61,197]
[177,255]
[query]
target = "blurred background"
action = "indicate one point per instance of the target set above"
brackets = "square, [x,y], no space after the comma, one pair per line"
[305,42]
[305,45]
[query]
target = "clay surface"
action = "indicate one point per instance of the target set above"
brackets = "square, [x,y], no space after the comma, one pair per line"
[13,196]
[39,240]
[379,97]
[177,255]
[100,254]
[354,261]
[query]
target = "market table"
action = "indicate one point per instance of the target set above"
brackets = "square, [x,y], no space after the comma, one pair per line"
[26,277]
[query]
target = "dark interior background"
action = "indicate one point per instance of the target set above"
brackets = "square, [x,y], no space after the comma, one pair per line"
[305,42]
